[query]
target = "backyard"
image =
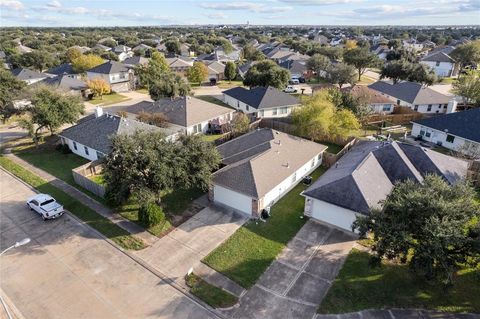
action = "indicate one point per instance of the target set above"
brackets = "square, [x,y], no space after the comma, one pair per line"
[252,248]
[211,99]
[359,286]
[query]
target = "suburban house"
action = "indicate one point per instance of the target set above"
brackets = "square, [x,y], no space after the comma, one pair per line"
[179,65]
[297,68]
[68,84]
[91,137]
[450,130]
[260,167]
[187,114]
[261,101]
[216,71]
[118,75]
[442,64]
[101,47]
[123,52]
[377,102]
[416,96]
[135,60]
[64,69]
[365,176]
[28,76]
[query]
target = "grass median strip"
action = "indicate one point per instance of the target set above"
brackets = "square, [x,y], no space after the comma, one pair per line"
[252,248]
[89,216]
[360,286]
[212,295]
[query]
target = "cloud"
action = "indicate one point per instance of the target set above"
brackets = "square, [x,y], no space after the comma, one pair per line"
[216,15]
[54,4]
[12,4]
[245,6]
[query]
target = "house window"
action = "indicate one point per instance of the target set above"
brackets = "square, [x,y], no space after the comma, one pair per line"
[398,102]
[247,107]
[283,110]
[422,132]
[238,104]
[197,128]
[122,76]
[274,111]
[86,150]
[261,113]
[438,63]
[415,107]
[386,107]
[100,155]
[319,157]
[429,107]
[445,106]
[428,134]
[75,146]
[450,138]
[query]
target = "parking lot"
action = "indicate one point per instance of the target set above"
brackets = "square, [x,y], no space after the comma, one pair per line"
[68,271]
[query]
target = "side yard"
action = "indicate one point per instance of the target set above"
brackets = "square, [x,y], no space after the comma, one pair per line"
[252,248]
[359,286]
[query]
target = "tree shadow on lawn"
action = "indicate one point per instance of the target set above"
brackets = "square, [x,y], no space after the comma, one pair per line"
[360,286]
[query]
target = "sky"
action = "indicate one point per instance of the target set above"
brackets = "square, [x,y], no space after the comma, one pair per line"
[257,12]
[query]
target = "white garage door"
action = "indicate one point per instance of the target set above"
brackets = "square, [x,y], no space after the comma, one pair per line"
[233,199]
[333,214]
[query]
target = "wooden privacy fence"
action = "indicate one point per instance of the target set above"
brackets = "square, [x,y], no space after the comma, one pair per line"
[400,115]
[81,176]
[228,136]
[473,172]
[329,158]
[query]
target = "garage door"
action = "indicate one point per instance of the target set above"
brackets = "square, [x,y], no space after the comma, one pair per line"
[233,199]
[333,214]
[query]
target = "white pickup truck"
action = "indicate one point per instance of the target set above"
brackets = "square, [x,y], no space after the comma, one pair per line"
[46,206]
[290,89]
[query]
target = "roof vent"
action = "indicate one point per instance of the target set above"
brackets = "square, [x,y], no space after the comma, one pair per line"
[287,165]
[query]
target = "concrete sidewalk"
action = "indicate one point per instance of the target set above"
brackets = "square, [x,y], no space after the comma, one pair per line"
[106,212]
[184,248]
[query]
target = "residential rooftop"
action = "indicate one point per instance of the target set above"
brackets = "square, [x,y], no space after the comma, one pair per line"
[262,97]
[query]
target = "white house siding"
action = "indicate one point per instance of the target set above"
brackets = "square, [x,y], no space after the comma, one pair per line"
[117,82]
[443,69]
[438,137]
[271,112]
[80,151]
[424,108]
[232,199]
[329,213]
[281,189]
[379,108]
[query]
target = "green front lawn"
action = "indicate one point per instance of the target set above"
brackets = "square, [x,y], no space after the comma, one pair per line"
[117,234]
[332,148]
[359,286]
[54,162]
[228,85]
[109,99]
[252,248]
[212,295]
[211,137]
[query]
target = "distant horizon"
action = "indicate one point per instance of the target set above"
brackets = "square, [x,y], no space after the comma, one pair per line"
[250,25]
[123,13]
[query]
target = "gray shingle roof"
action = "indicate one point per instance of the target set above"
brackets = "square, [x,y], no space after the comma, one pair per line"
[26,74]
[464,124]
[135,60]
[411,92]
[438,57]
[109,67]
[260,160]
[96,132]
[365,176]
[183,111]
[262,97]
[65,82]
[64,68]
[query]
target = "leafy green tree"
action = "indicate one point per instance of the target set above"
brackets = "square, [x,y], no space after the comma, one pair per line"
[51,109]
[361,59]
[10,89]
[359,105]
[168,85]
[230,71]
[468,87]
[173,46]
[396,70]
[318,118]
[401,54]
[109,55]
[250,53]
[394,44]
[72,54]
[240,124]
[267,73]
[422,73]
[319,64]
[433,226]
[341,74]
[156,67]
[86,62]
[198,73]
[467,54]
[333,53]
[39,60]
[147,165]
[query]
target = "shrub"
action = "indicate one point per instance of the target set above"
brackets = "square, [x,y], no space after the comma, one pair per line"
[151,214]
[63,148]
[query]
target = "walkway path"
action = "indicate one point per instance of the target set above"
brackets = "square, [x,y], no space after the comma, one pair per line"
[132,228]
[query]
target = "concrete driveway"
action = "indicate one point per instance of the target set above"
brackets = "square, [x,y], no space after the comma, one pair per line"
[68,271]
[183,248]
[295,284]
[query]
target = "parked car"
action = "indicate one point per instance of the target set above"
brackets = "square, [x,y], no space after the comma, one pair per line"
[294,81]
[46,206]
[290,89]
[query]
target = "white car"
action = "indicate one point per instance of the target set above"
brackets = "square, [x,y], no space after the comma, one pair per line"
[46,206]
[290,89]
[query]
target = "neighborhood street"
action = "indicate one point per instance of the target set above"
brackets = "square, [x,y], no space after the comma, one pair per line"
[69,271]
